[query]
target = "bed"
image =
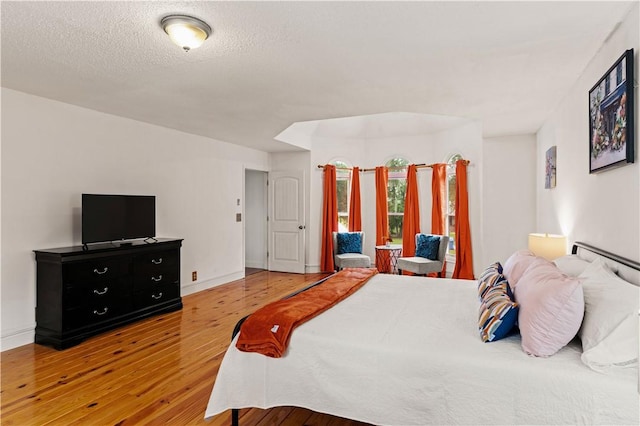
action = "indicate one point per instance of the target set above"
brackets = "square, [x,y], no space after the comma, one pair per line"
[406,351]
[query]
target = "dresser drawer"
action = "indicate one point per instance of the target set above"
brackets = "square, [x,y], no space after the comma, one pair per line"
[156,269]
[155,296]
[104,291]
[98,270]
[95,312]
[155,281]
[151,263]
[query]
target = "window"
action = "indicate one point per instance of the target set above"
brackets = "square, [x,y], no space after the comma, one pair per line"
[342,193]
[451,203]
[396,190]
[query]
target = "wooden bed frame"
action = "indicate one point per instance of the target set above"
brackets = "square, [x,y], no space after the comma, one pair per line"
[576,248]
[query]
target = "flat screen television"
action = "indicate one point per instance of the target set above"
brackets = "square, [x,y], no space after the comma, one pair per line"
[117,217]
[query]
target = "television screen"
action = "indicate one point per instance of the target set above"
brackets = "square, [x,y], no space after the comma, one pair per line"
[117,217]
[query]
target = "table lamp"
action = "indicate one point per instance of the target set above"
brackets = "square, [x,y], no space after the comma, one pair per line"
[549,246]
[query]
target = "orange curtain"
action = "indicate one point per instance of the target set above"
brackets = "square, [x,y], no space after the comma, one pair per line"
[382,218]
[411,221]
[464,257]
[438,203]
[355,215]
[329,218]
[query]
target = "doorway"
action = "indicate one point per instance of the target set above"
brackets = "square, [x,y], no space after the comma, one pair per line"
[255,231]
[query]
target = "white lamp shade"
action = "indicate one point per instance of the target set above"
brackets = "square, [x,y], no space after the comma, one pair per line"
[549,246]
[185,31]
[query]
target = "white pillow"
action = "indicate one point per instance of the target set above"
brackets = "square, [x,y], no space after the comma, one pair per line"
[609,331]
[574,265]
[571,264]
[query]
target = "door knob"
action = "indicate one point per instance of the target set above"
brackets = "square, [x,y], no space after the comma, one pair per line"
[301,227]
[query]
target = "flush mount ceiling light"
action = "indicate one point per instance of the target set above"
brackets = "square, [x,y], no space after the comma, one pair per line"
[186,31]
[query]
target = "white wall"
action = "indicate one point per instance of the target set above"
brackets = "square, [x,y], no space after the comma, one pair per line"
[602,209]
[509,196]
[53,152]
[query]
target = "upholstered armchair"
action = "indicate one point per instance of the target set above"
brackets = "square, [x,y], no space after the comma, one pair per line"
[429,256]
[347,250]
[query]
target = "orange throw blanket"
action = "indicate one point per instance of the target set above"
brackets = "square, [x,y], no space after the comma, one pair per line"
[268,330]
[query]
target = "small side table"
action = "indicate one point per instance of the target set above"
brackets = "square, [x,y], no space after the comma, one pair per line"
[387,258]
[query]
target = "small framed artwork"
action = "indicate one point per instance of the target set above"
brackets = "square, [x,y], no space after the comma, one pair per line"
[550,168]
[611,119]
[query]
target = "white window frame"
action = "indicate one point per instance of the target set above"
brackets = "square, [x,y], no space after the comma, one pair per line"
[450,213]
[396,174]
[343,173]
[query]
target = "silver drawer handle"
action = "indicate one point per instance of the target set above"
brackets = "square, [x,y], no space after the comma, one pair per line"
[104,271]
[101,292]
[104,311]
[157,279]
[158,296]
[156,262]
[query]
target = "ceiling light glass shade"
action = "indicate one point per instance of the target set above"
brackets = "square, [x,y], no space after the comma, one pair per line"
[186,31]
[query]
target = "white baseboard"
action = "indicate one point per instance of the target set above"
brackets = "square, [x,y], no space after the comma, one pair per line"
[197,286]
[312,269]
[255,264]
[15,338]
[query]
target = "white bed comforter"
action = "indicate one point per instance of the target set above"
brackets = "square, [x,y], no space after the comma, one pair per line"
[406,351]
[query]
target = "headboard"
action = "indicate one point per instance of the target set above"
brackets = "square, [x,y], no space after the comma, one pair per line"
[628,269]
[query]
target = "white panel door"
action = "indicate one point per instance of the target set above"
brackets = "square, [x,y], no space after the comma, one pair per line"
[286,221]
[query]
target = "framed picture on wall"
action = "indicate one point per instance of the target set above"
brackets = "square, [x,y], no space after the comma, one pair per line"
[611,119]
[550,168]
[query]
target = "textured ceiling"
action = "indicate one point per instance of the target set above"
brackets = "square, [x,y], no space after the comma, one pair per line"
[271,64]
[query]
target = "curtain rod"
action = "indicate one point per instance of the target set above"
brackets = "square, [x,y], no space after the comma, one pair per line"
[418,166]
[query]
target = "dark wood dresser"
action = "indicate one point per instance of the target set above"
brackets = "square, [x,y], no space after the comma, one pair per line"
[85,290]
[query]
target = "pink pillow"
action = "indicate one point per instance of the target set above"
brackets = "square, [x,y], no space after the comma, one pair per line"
[551,308]
[516,264]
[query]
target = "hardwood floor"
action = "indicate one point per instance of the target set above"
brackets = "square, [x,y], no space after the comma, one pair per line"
[156,371]
[251,271]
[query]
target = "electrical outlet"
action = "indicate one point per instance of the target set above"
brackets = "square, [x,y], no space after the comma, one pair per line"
[194,276]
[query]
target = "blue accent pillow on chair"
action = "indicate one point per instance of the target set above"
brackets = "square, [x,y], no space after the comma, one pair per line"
[428,246]
[349,242]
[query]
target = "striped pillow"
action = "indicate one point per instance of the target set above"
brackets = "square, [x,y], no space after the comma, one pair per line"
[488,278]
[498,312]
